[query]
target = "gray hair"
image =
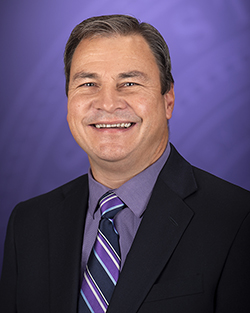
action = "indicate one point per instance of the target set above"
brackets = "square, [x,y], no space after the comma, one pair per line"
[109,25]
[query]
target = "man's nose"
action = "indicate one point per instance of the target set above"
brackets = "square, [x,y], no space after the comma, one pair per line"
[109,100]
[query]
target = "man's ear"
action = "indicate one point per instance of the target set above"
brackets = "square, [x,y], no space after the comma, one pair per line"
[169,98]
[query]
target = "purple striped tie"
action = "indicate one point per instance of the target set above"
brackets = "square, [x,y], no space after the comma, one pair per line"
[103,267]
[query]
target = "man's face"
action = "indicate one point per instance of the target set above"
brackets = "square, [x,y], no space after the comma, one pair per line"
[116,111]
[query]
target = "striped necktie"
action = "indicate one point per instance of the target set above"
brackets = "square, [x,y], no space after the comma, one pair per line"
[103,267]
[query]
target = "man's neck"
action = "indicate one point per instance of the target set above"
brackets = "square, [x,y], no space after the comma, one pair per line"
[115,174]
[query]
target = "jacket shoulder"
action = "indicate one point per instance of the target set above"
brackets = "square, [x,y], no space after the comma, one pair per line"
[209,183]
[200,188]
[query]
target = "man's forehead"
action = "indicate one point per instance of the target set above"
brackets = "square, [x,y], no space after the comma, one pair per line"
[129,41]
[121,56]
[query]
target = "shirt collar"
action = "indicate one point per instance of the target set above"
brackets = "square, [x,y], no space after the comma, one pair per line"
[135,193]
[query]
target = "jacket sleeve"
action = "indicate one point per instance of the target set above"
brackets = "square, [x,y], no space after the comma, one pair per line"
[233,292]
[8,280]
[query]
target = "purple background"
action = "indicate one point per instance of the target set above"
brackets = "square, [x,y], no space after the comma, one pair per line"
[209,45]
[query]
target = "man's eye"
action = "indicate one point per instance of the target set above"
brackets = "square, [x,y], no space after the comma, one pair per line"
[87,85]
[129,84]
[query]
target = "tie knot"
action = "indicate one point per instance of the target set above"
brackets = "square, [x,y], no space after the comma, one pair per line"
[110,205]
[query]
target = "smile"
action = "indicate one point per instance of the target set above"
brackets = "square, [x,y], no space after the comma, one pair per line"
[118,125]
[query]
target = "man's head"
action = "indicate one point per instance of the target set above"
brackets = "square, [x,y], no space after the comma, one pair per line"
[123,25]
[118,105]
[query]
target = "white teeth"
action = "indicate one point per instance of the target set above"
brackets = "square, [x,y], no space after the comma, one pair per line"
[118,125]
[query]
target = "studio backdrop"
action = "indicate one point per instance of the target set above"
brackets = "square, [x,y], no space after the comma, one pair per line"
[209,43]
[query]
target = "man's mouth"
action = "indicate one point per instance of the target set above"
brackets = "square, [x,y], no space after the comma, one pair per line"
[117,125]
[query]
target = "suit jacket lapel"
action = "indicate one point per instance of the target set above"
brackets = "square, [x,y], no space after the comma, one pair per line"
[66,234]
[167,216]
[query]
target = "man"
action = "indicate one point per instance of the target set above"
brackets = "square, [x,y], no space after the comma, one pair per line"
[183,233]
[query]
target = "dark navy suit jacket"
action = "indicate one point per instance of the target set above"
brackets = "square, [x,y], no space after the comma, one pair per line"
[191,253]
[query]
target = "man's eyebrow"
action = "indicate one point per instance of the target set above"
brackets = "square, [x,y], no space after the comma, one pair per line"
[82,75]
[133,74]
[124,75]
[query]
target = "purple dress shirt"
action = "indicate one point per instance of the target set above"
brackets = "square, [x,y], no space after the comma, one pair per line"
[135,193]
